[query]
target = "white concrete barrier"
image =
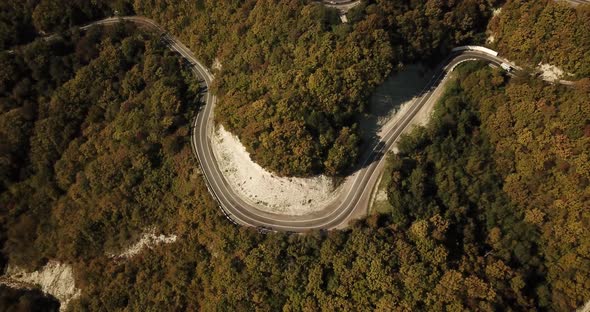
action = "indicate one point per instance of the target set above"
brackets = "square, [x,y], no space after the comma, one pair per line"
[476,48]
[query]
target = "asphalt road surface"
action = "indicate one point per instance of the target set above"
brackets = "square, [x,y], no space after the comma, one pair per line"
[355,197]
[356,194]
[578,2]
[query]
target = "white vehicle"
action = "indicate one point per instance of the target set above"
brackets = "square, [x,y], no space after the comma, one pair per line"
[506,67]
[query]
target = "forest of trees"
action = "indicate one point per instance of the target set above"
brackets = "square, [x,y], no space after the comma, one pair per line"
[489,200]
[545,31]
[293,83]
[460,237]
[91,126]
[507,166]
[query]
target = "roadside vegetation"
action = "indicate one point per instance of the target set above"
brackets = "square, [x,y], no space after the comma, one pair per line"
[551,32]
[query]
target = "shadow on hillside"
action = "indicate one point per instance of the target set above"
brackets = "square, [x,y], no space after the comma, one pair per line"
[390,100]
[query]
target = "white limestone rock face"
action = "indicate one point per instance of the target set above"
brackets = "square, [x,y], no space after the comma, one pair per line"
[148,240]
[268,192]
[56,279]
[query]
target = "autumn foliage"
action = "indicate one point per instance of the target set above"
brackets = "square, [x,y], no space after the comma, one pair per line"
[545,31]
[506,164]
[293,80]
[490,200]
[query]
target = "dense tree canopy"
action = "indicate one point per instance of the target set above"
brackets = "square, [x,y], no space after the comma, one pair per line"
[545,31]
[22,20]
[294,79]
[507,168]
[16,24]
[457,239]
[92,127]
[489,200]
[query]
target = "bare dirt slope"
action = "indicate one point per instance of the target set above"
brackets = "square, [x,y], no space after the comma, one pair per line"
[289,196]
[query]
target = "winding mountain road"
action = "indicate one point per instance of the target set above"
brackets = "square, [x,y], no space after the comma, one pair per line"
[355,196]
[578,2]
[356,192]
